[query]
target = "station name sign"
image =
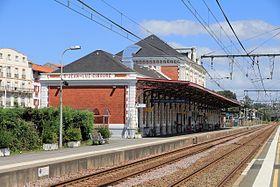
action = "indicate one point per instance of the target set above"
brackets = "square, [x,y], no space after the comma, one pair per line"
[88,76]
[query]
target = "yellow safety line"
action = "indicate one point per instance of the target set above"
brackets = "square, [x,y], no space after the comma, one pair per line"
[275,177]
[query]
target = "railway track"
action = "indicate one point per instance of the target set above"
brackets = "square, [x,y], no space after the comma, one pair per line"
[186,180]
[117,174]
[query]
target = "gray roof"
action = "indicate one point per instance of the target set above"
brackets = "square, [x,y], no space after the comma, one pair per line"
[97,61]
[148,72]
[152,46]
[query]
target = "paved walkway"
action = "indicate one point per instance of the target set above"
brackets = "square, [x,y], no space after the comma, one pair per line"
[21,161]
[263,170]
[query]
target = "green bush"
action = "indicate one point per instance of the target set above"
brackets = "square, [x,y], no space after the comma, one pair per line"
[105,132]
[22,135]
[49,136]
[73,134]
[6,139]
[27,137]
[27,128]
[81,119]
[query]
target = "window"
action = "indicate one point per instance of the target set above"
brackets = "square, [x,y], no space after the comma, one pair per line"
[16,85]
[16,58]
[22,103]
[1,55]
[23,59]
[9,72]
[8,85]
[16,73]
[23,74]
[1,73]
[9,57]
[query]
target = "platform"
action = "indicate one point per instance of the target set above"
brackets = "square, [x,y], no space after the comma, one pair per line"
[263,170]
[24,168]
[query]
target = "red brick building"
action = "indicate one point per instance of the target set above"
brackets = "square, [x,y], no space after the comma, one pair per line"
[141,87]
[37,70]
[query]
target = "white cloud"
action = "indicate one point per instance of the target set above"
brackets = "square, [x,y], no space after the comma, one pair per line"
[177,27]
[200,50]
[244,28]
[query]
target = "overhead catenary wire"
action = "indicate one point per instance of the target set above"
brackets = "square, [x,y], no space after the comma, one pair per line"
[145,29]
[245,40]
[227,20]
[68,5]
[112,22]
[130,19]
[208,29]
[264,42]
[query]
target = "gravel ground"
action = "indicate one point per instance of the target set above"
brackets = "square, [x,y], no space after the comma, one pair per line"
[159,177]
[209,177]
[164,175]
[162,172]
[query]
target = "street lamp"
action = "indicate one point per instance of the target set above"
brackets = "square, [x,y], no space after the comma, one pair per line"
[77,47]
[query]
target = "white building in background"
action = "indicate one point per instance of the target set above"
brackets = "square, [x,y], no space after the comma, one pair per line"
[16,87]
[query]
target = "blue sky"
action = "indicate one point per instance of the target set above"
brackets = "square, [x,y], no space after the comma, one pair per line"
[43,29]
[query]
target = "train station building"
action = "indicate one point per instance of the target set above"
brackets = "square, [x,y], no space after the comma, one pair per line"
[148,86]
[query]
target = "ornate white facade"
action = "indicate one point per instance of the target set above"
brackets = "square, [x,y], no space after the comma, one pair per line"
[16,87]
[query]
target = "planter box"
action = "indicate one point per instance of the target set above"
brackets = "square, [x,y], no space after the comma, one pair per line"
[50,147]
[73,144]
[5,152]
[138,136]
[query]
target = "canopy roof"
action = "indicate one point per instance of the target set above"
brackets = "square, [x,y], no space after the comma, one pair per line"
[186,90]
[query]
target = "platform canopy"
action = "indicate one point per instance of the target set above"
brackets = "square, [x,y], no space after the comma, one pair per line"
[185,91]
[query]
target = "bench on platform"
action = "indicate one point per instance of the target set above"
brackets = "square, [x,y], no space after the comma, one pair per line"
[97,138]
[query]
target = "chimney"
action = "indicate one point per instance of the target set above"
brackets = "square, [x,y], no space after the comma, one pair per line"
[193,54]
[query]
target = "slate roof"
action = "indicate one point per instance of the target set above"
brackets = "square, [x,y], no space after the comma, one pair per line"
[152,46]
[97,61]
[148,72]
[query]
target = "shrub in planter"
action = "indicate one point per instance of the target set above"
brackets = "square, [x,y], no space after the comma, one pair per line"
[27,136]
[49,138]
[137,134]
[81,119]
[6,141]
[6,138]
[73,136]
[105,132]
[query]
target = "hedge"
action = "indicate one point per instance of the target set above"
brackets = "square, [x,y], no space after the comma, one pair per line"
[27,128]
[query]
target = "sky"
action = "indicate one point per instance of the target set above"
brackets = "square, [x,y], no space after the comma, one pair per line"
[44,29]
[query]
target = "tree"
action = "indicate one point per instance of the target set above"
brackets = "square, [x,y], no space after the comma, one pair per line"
[248,102]
[228,94]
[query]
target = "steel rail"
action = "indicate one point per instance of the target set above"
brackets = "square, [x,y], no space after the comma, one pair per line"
[199,170]
[239,166]
[177,151]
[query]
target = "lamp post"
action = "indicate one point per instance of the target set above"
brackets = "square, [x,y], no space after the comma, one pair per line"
[77,47]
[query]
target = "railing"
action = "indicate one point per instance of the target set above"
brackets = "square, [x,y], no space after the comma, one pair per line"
[16,75]
[16,89]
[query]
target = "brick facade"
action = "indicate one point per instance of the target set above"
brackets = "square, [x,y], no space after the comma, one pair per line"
[170,71]
[91,98]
